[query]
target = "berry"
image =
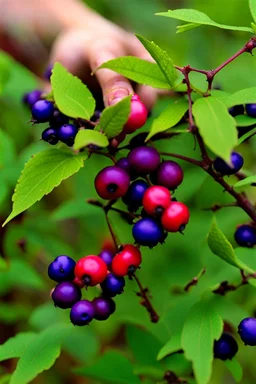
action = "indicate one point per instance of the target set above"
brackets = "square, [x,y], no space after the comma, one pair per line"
[245,236]
[103,308]
[48,72]
[58,119]
[126,261]
[236,110]
[66,294]
[82,313]
[124,164]
[138,115]
[32,97]
[42,111]
[112,182]
[50,135]
[91,269]
[138,140]
[175,217]
[223,168]
[135,193]
[62,269]
[247,331]
[106,256]
[113,285]
[67,133]
[251,110]
[226,347]
[169,174]
[156,199]
[147,231]
[144,160]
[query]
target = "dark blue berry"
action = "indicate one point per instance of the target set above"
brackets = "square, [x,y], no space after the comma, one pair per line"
[236,110]
[50,135]
[58,119]
[67,133]
[103,308]
[66,294]
[106,256]
[247,331]
[147,231]
[62,269]
[251,110]
[42,111]
[135,193]
[226,347]
[113,285]
[82,312]
[32,97]
[245,236]
[223,168]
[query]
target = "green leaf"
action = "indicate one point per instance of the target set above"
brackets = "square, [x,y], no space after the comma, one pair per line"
[7,149]
[245,182]
[202,326]
[3,264]
[39,355]
[141,71]
[82,344]
[85,137]
[72,97]
[245,121]
[252,6]
[74,209]
[235,368]
[173,345]
[162,58]
[15,346]
[113,119]
[41,175]
[169,117]
[216,126]
[111,368]
[193,16]
[186,27]
[221,247]
[244,96]
[246,136]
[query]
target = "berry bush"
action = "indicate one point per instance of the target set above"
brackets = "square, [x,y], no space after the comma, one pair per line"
[129,249]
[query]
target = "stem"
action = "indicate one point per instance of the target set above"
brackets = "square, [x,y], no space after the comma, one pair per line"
[181,157]
[217,207]
[195,280]
[92,151]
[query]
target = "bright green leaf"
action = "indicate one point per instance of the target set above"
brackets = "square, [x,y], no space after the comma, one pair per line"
[202,326]
[43,172]
[252,6]
[246,136]
[141,71]
[245,182]
[173,345]
[72,97]
[216,126]
[186,27]
[235,369]
[15,346]
[85,137]
[244,96]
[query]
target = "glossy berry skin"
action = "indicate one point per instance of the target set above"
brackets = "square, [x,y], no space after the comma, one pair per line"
[144,160]
[236,110]
[251,110]
[91,269]
[175,217]
[223,168]
[58,119]
[245,236]
[135,193]
[226,347]
[247,331]
[107,257]
[147,231]
[138,140]
[67,133]
[103,308]
[112,182]
[66,294]
[138,115]
[42,111]
[62,269]
[50,135]
[169,174]
[82,313]
[155,200]
[126,261]
[113,285]
[32,97]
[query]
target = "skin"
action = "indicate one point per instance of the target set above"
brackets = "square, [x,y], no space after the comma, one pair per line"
[81,40]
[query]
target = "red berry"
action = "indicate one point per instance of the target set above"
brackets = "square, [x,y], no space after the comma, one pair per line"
[91,269]
[156,200]
[175,217]
[112,182]
[127,260]
[138,115]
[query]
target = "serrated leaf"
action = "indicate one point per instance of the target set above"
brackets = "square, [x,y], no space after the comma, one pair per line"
[42,173]
[72,97]
[86,137]
[161,57]
[245,182]
[193,16]
[40,354]
[246,136]
[113,119]
[252,6]
[141,71]
[169,117]
[216,126]
[235,368]
[245,121]
[202,326]
[244,96]
[221,247]
[15,346]
[173,345]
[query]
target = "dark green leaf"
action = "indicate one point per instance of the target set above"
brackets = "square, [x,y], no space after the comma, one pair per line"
[252,5]
[245,182]
[245,121]
[14,312]
[235,368]
[15,346]
[5,71]
[86,137]
[81,343]
[173,345]
[7,149]
[74,209]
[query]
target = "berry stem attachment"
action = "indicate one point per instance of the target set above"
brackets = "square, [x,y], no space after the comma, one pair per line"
[195,280]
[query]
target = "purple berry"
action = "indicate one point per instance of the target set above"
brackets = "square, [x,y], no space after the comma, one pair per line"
[124,164]
[112,182]
[251,110]
[42,111]
[223,168]
[144,160]
[147,231]
[247,331]
[58,119]
[106,256]
[62,269]
[32,97]
[48,72]
[236,110]
[169,174]
[67,133]
[66,294]
[226,347]
[103,307]
[112,285]
[135,193]
[82,312]
[50,135]
[245,236]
